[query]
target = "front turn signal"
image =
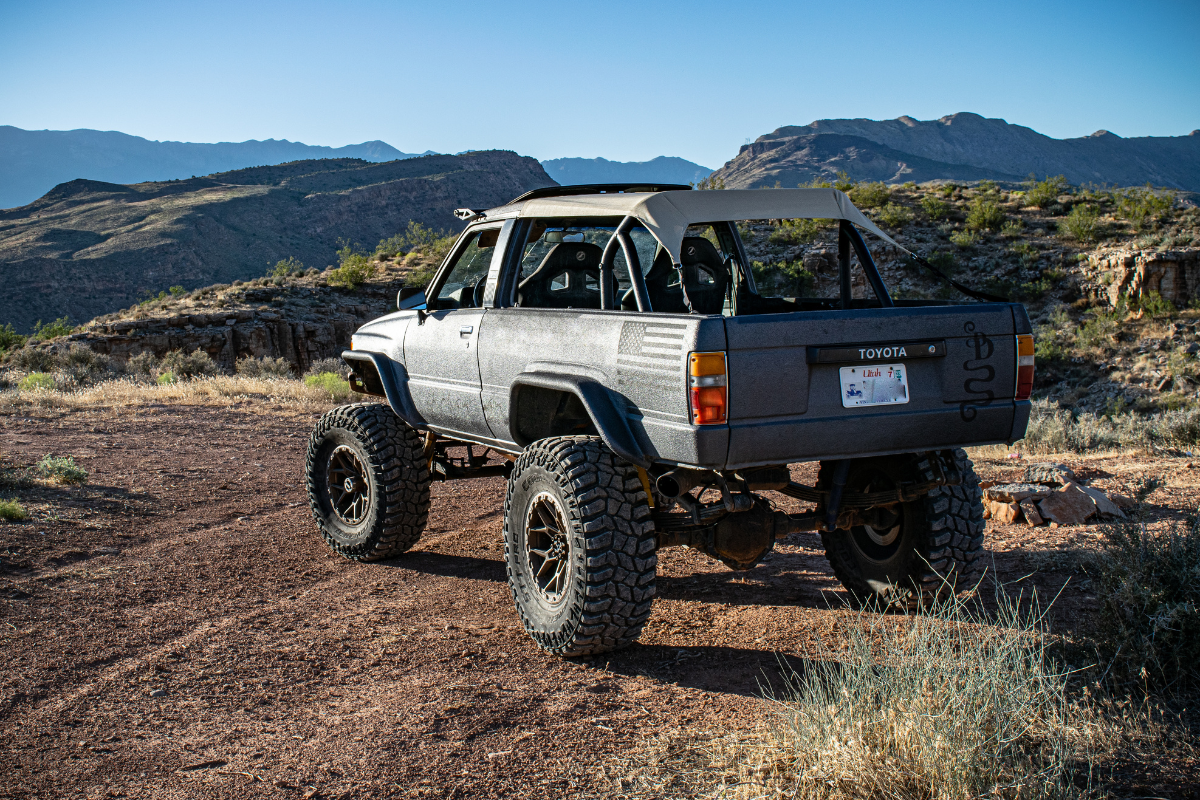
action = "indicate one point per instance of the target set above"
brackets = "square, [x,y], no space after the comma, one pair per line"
[708,388]
[1024,366]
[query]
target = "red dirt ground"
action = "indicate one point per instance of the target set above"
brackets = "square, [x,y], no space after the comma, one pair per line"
[189,564]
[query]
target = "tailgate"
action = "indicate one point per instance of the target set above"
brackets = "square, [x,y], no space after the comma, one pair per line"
[786,389]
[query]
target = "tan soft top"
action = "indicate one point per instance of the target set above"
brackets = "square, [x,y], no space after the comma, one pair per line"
[668,214]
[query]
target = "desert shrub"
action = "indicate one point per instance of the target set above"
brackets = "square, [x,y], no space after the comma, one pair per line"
[62,469]
[951,703]
[1156,305]
[59,327]
[815,183]
[286,266]
[265,367]
[1012,228]
[795,231]
[895,215]
[943,260]
[1143,206]
[935,207]
[711,183]
[354,268]
[32,359]
[1058,430]
[985,215]
[1082,224]
[10,339]
[82,366]
[964,239]
[870,195]
[337,386]
[143,364]
[1148,582]
[12,511]
[187,365]
[433,243]
[843,182]
[1043,194]
[165,378]
[783,279]
[37,381]
[332,365]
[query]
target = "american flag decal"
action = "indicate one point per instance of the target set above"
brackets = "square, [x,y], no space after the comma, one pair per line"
[652,353]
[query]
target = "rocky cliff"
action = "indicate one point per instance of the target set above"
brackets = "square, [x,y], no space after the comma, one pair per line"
[87,248]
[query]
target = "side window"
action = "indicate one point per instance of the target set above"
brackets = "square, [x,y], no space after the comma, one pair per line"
[463,287]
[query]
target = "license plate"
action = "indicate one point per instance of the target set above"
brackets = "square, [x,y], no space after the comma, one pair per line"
[874,385]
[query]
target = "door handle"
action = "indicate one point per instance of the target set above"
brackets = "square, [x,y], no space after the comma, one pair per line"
[466,330]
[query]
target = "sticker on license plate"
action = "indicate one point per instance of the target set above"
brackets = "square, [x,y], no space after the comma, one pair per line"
[874,385]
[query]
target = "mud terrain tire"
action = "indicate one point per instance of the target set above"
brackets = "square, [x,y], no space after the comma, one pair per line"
[934,546]
[368,482]
[579,546]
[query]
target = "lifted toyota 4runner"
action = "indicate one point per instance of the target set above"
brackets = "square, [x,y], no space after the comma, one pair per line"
[606,350]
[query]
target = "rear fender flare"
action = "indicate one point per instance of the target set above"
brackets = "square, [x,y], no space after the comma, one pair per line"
[608,419]
[394,380]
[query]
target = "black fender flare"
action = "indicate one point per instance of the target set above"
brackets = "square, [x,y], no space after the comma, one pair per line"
[609,420]
[394,380]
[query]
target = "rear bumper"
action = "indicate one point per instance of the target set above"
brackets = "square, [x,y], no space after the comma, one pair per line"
[755,443]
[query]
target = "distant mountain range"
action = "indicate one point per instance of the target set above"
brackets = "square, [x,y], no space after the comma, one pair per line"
[89,247]
[664,169]
[33,162]
[961,146]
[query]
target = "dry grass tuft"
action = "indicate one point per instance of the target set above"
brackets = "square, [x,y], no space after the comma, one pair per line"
[950,704]
[212,390]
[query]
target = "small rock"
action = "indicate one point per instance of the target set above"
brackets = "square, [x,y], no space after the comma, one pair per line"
[1104,505]
[159,693]
[1070,505]
[1029,509]
[1004,513]
[1192,349]
[1122,501]
[1054,474]
[1015,492]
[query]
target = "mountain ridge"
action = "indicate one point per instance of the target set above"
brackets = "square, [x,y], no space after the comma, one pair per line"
[970,140]
[662,169]
[90,247]
[33,161]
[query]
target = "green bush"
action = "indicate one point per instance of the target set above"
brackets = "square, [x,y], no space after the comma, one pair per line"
[1082,224]
[60,327]
[12,511]
[1043,194]
[165,378]
[944,260]
[334,365]
[145,364]
[1012,228]
[37,381]
[433,243]
[711,183]
[10,339]
[1156,305]
[1143,206]
[354,268]
[331,382]
[964,239]
[795,231]
[985,215]
[187,365]
[870,195]
[62,469]
[894,215]
[287,266]
[1148,582]
[935,208]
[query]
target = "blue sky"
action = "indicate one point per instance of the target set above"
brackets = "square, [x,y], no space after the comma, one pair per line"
[623,80]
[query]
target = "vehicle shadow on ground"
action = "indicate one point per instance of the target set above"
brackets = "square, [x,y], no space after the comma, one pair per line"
[712,668]
[449,566]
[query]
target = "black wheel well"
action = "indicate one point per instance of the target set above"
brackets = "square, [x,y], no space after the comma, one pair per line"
[540,413]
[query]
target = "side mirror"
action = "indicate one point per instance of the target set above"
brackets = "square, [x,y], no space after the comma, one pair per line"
[411,297]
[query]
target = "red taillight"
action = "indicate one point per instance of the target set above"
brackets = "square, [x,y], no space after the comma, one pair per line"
[1024,366]
[707,388]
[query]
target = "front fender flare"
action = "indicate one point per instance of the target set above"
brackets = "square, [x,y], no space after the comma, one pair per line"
[610,421]
[394,378]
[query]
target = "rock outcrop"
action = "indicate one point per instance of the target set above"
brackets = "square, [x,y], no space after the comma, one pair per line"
[1136,274]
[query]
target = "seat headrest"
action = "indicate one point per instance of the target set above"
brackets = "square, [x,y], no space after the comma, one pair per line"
[573,255]
[698,250]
